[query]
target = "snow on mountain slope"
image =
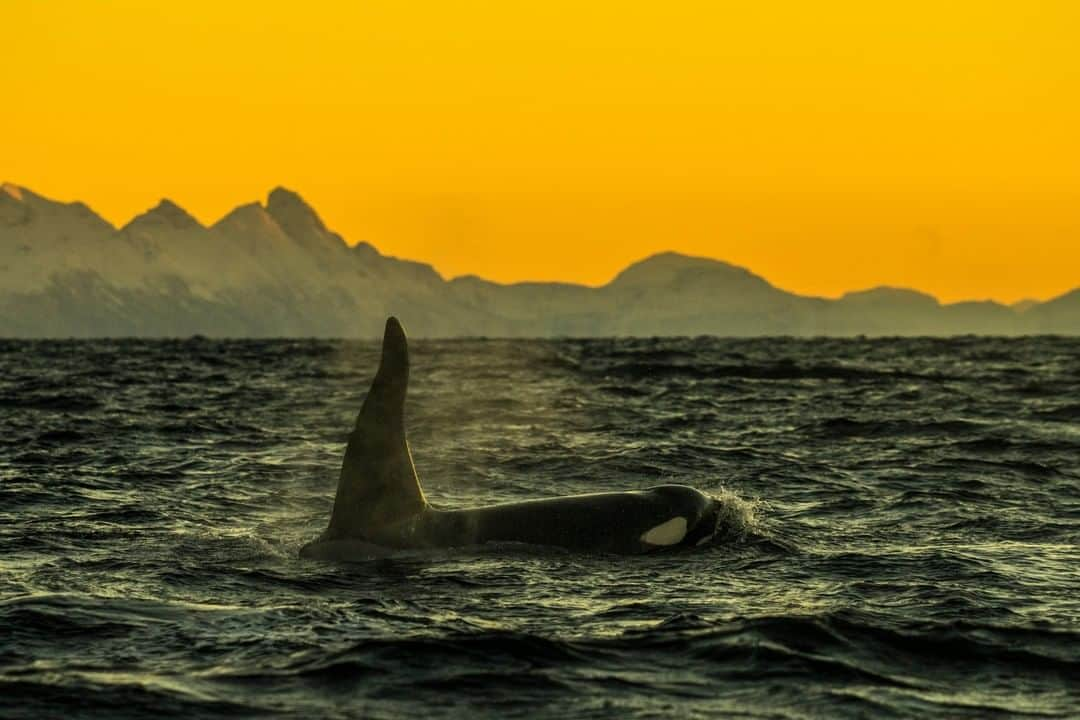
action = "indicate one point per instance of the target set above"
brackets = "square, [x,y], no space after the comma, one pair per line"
[276,269]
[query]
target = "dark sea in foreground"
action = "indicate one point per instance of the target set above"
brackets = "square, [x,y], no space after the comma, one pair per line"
[902,535]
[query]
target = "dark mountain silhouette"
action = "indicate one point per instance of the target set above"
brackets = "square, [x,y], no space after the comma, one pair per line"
[1060,316]
[277,270]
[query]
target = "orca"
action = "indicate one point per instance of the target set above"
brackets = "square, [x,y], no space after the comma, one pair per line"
[381,505]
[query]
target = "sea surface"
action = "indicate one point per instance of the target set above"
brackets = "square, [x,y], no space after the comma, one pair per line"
[901,535]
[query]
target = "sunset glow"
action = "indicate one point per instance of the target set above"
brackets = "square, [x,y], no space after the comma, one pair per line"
[828,146]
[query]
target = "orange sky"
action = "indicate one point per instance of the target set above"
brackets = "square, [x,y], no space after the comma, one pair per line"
[827,145]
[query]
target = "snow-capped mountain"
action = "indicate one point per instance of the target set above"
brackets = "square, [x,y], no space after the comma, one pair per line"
[275,269]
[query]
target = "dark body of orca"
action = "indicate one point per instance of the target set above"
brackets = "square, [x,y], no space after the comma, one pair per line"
[380,502]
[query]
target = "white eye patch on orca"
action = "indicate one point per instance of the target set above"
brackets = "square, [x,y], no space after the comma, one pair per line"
[667,533]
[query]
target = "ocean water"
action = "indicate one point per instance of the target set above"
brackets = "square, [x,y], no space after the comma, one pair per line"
[901,532]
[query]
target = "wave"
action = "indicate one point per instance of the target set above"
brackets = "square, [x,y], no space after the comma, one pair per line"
[778,370]
[895,664]
[898,531]
[839,427]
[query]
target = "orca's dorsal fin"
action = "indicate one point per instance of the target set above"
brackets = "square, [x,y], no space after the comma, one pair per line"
[378,484]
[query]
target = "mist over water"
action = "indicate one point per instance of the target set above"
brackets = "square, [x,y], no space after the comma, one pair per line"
[901,530]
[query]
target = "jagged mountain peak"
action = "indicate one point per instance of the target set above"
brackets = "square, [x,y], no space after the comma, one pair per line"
[364,249]
[287,203]
[12,190]
[167,206]
[300,221]
[84,212]
[249,216]
[13,211]
[166,213]
[23,206]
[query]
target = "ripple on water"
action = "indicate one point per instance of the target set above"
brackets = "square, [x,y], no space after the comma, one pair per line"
[899,532]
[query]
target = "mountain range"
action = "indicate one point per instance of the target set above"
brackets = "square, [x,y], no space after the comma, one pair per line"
[275,269]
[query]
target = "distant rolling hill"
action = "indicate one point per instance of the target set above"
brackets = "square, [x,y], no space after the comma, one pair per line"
[276,270]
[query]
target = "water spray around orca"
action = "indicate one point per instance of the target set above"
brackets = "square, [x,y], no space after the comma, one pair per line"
[380,501]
